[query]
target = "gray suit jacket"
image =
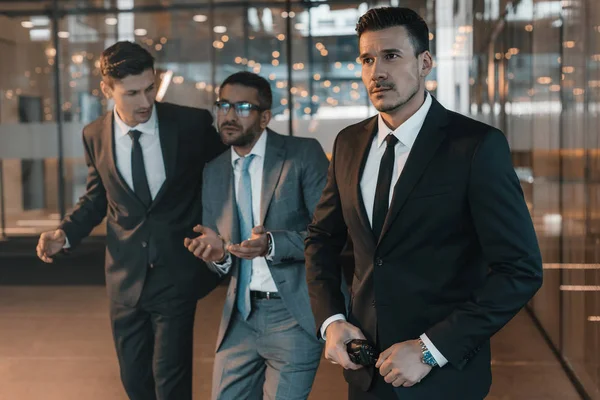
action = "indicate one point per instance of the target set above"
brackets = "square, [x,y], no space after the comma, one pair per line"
[294,175]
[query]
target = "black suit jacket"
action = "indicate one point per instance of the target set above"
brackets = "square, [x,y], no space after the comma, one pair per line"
[136,236]
[457,259]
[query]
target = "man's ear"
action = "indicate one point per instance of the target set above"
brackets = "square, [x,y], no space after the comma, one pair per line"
[106,89]
[265,118]
[426,63]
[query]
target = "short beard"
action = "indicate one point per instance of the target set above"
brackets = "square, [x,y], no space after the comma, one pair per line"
[246,138]
[400,104]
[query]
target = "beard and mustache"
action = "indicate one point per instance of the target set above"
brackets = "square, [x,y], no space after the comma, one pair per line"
[246,136]
[390,86]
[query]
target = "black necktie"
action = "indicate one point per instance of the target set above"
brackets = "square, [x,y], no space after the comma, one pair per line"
[140,182]
[384,181]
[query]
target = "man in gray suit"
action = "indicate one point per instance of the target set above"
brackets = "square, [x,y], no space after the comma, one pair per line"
[260,196]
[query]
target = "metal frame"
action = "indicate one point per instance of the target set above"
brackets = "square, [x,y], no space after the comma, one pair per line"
[59,113]
[2,205]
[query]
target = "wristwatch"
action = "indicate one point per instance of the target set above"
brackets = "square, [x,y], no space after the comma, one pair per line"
[427,357]
[225,251]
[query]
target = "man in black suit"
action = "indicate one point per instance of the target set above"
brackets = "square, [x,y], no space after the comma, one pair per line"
[444,245]
[145,163]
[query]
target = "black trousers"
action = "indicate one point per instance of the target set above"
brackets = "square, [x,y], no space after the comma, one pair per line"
[154,341]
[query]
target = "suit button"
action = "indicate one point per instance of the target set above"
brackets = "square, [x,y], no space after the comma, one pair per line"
[144,244]
[378,262]
[151,265]
[373,303]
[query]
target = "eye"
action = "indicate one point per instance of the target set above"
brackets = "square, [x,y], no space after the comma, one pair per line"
[391,56]
[367,60]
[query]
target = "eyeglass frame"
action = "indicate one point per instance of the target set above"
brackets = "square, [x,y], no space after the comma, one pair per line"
[218,110]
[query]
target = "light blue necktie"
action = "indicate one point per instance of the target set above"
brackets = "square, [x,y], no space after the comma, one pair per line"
[244,205]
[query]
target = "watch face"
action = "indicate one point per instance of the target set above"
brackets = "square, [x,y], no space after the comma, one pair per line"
[428,359]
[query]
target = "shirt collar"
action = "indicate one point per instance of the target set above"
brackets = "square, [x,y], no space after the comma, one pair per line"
[148,127]
[408,131]
[259,149]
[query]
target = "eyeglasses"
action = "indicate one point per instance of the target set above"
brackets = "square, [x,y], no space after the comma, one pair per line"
[242,108]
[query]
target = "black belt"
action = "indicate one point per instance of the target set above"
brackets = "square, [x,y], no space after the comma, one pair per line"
[254,294]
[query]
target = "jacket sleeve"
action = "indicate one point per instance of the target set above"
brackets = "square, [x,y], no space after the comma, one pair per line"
[90,210]
[289,245]
[509,244]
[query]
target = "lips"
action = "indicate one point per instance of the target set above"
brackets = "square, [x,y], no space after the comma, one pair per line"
[230,128]
[380,90]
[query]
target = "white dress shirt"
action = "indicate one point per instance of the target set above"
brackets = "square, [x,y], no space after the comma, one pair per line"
[406,134]
[261,279]
[151,150]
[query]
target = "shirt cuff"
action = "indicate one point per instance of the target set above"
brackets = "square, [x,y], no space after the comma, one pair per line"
[437,356]
[67,245]
[328,321]
[224,266]
[271,254]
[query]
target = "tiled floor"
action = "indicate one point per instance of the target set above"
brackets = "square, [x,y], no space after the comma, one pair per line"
[55,343]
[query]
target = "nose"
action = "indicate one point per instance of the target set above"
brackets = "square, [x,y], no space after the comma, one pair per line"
[146,101]
[227,118]
[232,112]
[379,72]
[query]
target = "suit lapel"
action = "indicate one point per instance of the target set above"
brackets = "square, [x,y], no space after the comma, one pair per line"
[222,196]
[364,138]
[167,129]
[224,192]
[110,148]
[274,158]
[428,140]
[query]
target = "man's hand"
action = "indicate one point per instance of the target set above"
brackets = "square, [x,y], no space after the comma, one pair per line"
[50,243]
[337,335]
[256,246]
[401,364]
[208,246]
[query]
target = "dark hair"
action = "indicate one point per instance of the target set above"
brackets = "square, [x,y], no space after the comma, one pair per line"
[123,59]
[249,79]
[386,17]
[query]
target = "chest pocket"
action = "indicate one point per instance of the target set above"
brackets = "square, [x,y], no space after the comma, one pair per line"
[432,191]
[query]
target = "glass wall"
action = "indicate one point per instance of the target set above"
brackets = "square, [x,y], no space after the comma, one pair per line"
[307,51]
[529,67]
[29,177]
[537,78]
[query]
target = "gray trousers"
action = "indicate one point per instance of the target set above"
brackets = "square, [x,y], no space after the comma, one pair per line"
[269,356]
